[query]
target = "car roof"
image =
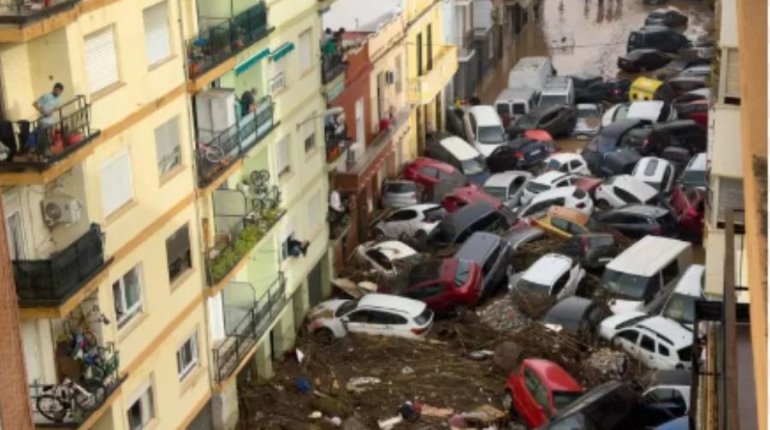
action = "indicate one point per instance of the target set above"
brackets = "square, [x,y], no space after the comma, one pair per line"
[668,328]
[554,376]
[572,307]
[691,282]
[641,209]
[459,148]
[478,246]
[505,178]
[643,257]
[420,207]
[548,268]
[636,185]
[617,128]
[404,305]
[653,29]
[648,109]
[469,213]
[570,214]
[394,249]
[661,165]
[556,84]
[426,161]
[485,115]
[510,94]
[516,235]
[553,193]
[549,177]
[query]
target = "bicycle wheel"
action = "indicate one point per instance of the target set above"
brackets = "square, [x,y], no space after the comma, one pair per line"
[90,395]
[51,407]
[214,154]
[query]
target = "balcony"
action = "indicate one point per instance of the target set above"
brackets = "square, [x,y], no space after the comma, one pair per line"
[51,282]
[24,12]
[218,43]
[362,161]
[333,66]
[423,89]
[40,147]
[232,144]
[240,342]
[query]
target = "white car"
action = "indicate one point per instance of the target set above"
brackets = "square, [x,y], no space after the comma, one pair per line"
[680,305]
[669,386]
[655,172]
[621,190]
[546,181]
[648,110]
[553,274]
[570,197]
[508,186]
[383,257]
[377,314]
[411,221]
[656,341]
[589,120]
[567,162]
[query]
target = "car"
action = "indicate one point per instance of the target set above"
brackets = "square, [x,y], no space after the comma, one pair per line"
[680,305]
[460,154]
[449,285]
[563,222]
[588,120]
[694,95]
[485,128]
[508,186]
[577,316]
[621,190]
[386,258]
[670,386]
[689,205]
[554,275]
[568,197]
[642,60]
[429,172]
[657,342]
[655,172]
[567,162]
[591,250]
[681,423]
[676,86]
[375,314]
[456,227]
[493,255]
[610,92]
[411,221]
[607,140]
[521,235]
[466,195]
[682,133]
[696,110]
[638,220]
[397,193]
[700,70]
[657,37]
[695,175]
[668,17]
[678,157]
[519,153]
[621,161]
[558,120]
[538,390]
[651,111]
[553,179]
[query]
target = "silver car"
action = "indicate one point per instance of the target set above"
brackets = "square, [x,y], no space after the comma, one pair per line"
[589,120]
[397,193]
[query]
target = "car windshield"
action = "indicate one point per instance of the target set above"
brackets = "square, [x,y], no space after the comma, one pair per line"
[533,287]
[527,122]
[400,187]
[626,285]
[551,100]
[472,166]
[553,165]
[346,307]
[462,273]
[588,112]
[694,177]
[537,188]
[681,308]
[496,192]
[491,134]
[562,399]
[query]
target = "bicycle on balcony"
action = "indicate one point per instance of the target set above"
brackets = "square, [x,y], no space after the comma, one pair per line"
[263,196]
[211,152]
[69,399]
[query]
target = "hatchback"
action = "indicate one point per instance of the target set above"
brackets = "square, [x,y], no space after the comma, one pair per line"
[519,153]
[446,286]
[557,120]
[655,172]
[567,162]
[577,316]
[607,140]
[465,195]
[656,341]
[386,258]
[588,120]
[621,190]
[657,37]
[507,186]
[493,255]
[416,220]
[456,227]
[552,275]
[429,172]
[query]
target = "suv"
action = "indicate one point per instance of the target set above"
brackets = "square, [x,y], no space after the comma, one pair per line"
[656,341]
[493,255]
[554,275]
[448,285]
[657,37]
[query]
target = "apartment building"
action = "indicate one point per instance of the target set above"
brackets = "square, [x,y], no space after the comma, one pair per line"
[155,211]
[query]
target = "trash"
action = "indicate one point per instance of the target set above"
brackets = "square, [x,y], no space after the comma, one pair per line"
[347,286]
[506,355]
[331,407]
[316,415]
[300,355]
[409,411]
[335,421]
[607,363]
[457,422]
[430,411]
[353,423]
[484,415]
[303,385]
[502,315]
[407,370]
[481,354]
[390,422]
[358,384]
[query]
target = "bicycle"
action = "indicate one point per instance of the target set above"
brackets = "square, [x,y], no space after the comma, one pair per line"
[102,365]
[65,398]
[212,153]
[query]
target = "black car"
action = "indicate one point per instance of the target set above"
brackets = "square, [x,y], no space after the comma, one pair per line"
[593,250]
[585,79]
[611,92]
[692,96]
[456,227]
[667,17]
[519,153]
[577,315]
[558,120]
[607,140]
[676,86]
[657,37]
[642,60]
[682,133]
[636,220]
[619,162]
[493,255]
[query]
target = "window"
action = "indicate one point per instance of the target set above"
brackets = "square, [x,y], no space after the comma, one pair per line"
[647,343]
[283,156]
[278,78]
[116,183]
[537,389]
[732,79]
[305,51]
[101,59]
[663,350]
[167,147]
[730,194]
[404,215]
[625,196]
[314,206]
[429,44]
[179,256]
[187,356]
[157,41]
[142,409]
[560,284]
[418,47]
[425,291]
[127,295]
[310,143]
[670,272]
[629,335]
[560,223]
[398,74]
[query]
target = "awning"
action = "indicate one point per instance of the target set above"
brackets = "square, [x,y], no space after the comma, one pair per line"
[281,51]
[246,64]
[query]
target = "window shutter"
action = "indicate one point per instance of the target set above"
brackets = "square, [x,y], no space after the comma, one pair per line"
[216,318]
[156,33]
[732,74]
[305,51]
[167,145]
[116,183]
[101,61]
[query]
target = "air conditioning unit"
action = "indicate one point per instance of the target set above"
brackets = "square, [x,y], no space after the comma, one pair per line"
[390,77]
[61,209]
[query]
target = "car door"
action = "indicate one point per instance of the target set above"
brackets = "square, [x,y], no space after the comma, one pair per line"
[360,321]
[576,274]
[514,189]
[628,339]
[647,351]
[400,222]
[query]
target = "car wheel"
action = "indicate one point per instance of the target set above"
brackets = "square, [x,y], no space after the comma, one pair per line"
[507,403]
[324,336]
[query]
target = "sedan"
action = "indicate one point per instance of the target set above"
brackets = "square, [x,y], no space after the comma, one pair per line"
[667,17]
[411,221]
[649,110]
[557,120]
[621,190]
[637,220]
[576,315]
[641,60]
[386,258]
[520,153]
[552,275]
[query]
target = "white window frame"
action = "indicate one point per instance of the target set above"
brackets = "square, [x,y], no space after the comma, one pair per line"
[108,168]
[725,75]
[278,77]
[113,76]
[184,369]
[305,50]
[164,133]
[158,43]
[283,156]
[128,312]
[141,395]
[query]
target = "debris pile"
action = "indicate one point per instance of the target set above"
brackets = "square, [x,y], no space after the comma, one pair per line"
[502,315]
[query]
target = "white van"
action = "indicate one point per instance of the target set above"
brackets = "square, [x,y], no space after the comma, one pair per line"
[531,72]
[558,90]
[462,155]
[486,131]
[512,103]
[645,273]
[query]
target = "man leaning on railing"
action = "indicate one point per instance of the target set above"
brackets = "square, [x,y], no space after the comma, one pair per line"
[40,139]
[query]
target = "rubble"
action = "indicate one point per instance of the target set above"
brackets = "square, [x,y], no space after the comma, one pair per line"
[502,315]
[606,363]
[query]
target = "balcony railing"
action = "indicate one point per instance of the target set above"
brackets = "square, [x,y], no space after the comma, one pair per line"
[216,44]
[52,281]
[22,12]
[45,141]
[247,332]
[333,66]
[233,143]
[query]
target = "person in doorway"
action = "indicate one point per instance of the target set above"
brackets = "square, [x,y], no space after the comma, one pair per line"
[248,101]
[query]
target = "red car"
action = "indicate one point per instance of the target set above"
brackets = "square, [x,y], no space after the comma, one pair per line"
[465,195]
[446,285]
[589,184]
[697,110]
[541,136]
[538,391]
[689,206]
[429,172]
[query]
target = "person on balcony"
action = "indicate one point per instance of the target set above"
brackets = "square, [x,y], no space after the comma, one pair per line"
[40,140]
[297,248]
[248,101]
